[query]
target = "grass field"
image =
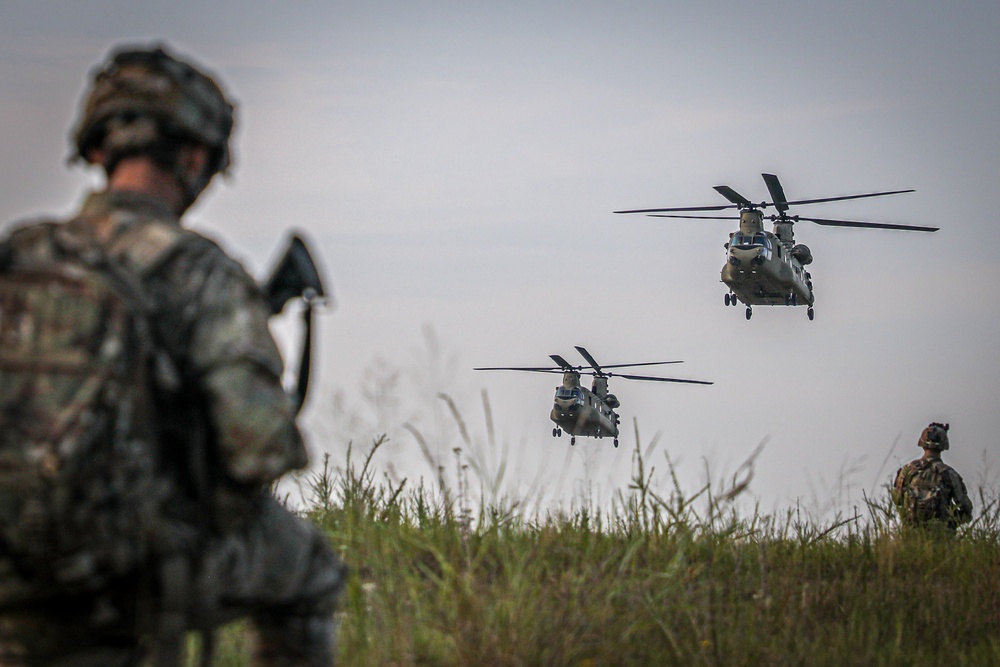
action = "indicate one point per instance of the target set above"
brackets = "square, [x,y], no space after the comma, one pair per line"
[660,579]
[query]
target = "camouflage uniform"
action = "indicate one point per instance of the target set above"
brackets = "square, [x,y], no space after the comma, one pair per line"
[948,502]
[234,434]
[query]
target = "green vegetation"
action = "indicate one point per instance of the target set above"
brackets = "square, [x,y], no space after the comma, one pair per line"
[658,580]
[662,578]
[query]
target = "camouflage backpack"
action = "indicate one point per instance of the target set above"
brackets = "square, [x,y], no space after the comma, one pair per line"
[81,480]
[926,492]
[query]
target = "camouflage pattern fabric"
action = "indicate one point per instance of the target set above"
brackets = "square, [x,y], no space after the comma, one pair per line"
[929,492]
[81,489]
[255,559]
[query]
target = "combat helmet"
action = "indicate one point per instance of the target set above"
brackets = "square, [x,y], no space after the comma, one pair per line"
[143,95]
[934,436]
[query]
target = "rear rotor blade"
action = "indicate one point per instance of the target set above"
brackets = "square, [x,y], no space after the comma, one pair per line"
[645,363]
[733,195]
[842,198]
[868,225]
[658,379]
[776,191]
[590,360]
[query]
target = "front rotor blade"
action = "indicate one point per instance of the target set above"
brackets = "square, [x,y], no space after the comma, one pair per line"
[733,195]
[656,379]
[868,225]
[693,217]
[562,362]
[720,207]
[826,199]
[590,360]
[776,191]
[531,369]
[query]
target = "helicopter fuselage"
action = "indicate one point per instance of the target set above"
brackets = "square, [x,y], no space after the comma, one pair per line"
[766,268]
[581,411]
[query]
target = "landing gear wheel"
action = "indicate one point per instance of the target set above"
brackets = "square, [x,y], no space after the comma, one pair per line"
[727,299]
[749,312]
[572,440]
[616,443]
[795,299]
[811,313]
[733,300]
[555,433]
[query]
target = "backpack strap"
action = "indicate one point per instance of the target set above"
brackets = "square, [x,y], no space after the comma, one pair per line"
[147,249]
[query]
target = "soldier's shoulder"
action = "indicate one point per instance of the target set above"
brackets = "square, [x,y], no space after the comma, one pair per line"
[28,232]
[943,468]
[200,268]
[30,241]
[158,244]
[948,471]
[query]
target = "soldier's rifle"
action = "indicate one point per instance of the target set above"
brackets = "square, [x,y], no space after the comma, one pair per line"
[296,276]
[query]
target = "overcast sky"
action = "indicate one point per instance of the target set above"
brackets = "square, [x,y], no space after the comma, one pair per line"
[456,165]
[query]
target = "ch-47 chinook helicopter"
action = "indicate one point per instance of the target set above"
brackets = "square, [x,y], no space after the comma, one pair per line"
[768,268]
[588,412]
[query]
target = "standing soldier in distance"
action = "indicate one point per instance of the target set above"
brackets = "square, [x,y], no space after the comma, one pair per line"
[927,491]
[160,130]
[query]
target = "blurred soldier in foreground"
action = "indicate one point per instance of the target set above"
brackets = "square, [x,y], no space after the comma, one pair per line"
[142,418]
[929,492]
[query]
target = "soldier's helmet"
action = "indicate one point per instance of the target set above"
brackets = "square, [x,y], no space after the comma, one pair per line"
[934,436]
[141,96]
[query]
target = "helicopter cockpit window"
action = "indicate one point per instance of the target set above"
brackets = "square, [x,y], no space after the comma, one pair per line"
[749,241]
[563,392]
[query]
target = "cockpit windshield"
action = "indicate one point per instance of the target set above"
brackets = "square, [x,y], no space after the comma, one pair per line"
[572,392]
[747,241]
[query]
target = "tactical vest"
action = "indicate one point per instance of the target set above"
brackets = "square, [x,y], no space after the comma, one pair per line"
[926,492]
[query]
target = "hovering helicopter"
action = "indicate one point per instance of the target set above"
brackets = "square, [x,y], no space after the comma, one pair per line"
[768,268]
[588,412]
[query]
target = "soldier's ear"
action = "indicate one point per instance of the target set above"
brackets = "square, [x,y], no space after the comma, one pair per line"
[947,426]
[193,158]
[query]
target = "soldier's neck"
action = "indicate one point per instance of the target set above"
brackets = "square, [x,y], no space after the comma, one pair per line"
[931,455]
[142,175]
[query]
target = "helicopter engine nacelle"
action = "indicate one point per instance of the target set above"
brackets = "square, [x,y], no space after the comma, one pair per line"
[802,254]
[612,401]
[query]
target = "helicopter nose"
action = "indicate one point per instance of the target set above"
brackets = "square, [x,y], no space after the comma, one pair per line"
[743,255]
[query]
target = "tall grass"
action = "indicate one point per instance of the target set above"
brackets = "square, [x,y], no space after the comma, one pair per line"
[662,578]
[458,569]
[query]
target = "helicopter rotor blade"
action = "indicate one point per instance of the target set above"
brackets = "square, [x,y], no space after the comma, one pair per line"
[777,192]
[533,369]
[720,207]
[693,217]
[659,379]
[562,362]
[644,363]
[845,197]
[590,360]
[733,196]
[868,225]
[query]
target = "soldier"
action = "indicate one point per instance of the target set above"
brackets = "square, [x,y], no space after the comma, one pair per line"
[160,130]
[929,492]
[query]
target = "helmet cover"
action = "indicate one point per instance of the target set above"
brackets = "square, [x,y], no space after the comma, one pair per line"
[143,95]
[935,437]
